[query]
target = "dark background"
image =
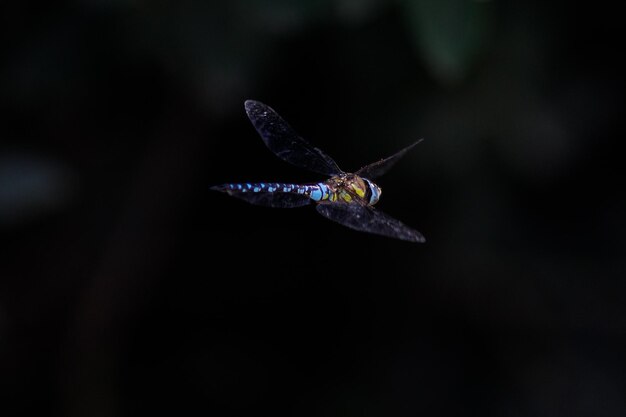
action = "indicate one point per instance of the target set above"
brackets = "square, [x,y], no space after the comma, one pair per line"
[128,288]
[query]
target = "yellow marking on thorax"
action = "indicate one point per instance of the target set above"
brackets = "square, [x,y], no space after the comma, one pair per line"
[346,189]
[358,189]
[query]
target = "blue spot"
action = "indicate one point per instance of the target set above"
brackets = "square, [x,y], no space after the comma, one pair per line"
[316,194]
[324,190]
[271,189]
[257,189]
[238,186]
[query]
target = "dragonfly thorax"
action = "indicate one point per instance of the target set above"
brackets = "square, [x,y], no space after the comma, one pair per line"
[349,188]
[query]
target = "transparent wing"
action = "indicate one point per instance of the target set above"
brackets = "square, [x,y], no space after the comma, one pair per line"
[285,142]
[376,169]
[367,219]
[280,200]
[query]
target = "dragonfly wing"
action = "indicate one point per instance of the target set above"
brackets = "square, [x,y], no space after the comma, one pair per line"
[376,169]
[280,200]
[285,142]
[367,219]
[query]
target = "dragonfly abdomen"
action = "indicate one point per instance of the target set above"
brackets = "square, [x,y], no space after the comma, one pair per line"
[317,192]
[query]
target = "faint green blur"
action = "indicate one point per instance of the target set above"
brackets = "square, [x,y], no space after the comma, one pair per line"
[450,35]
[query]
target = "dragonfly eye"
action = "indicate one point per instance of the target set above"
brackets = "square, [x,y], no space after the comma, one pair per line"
[374,192]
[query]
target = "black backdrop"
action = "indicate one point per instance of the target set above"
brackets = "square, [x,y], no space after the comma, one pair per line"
[127,287]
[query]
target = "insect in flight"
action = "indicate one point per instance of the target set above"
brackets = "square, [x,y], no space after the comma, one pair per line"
[346,198]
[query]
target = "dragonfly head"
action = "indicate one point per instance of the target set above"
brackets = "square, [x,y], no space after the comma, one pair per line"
[374,191]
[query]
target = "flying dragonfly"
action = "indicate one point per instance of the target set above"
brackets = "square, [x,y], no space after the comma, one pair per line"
[346,198]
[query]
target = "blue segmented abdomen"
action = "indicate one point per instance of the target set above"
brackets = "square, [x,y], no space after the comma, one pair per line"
[317,192]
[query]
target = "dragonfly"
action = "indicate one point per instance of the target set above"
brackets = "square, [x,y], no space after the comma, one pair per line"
[346,198]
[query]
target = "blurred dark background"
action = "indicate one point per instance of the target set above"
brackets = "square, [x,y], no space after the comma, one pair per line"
[128,288]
